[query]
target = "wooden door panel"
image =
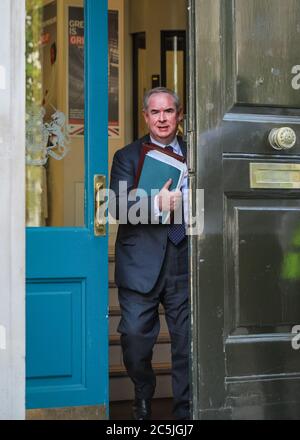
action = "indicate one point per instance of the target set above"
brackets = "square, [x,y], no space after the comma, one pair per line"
[262,284]
[246,130]
[266,34]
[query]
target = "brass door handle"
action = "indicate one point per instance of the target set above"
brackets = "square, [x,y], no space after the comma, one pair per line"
[99,213]
[282,138]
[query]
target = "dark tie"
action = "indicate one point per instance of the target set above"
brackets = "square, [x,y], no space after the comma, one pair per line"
[176,232]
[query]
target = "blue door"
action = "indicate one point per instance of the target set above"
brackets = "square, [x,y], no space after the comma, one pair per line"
[67,256]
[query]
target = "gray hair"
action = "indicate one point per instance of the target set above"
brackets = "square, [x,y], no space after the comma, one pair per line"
[156,90]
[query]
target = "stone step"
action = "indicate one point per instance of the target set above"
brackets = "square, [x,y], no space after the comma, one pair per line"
[114,319]
[111,271]
[163,338]
[161,354]
[160,369]
[113,295]
[121,388]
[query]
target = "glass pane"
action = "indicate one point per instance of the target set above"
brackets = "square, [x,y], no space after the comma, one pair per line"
[140,82]
[268,64]
[142,87]
[54,113]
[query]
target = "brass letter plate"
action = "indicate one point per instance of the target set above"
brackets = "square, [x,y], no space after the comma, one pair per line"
[275,175]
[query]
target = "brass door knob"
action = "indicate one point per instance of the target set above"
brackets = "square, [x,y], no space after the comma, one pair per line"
[282,138]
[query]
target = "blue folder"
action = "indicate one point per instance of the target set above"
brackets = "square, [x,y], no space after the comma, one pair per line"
[153,173]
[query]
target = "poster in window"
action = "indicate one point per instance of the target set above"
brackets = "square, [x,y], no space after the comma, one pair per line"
[76,70]
[48,42]
[114,67]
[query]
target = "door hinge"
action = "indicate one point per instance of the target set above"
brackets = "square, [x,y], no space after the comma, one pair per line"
[191,151]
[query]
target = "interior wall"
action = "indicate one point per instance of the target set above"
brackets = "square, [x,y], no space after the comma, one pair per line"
[153,16]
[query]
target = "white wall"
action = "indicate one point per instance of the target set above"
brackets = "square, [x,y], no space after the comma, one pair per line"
[152,17]
[12,217]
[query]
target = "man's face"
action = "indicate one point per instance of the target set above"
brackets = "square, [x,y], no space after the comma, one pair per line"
[162,117]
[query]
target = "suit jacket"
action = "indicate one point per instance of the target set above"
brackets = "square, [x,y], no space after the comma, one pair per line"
[140,248]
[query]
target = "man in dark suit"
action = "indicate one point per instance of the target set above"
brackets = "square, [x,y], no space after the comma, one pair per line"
[152,262]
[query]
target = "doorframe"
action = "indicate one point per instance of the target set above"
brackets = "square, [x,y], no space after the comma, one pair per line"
[12,223]
[210,94]
[191,160]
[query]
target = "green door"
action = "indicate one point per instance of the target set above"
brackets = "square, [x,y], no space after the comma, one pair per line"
[244,79]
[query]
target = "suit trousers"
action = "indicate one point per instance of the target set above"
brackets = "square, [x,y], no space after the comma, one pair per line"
[140,326]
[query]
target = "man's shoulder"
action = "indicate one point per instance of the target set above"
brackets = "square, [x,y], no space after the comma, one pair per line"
[182,144]
[133,147]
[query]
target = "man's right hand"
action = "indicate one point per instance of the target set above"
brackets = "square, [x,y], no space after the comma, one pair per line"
[169,200]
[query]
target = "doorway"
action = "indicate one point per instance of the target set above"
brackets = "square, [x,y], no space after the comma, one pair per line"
[246,155]
[152,53]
